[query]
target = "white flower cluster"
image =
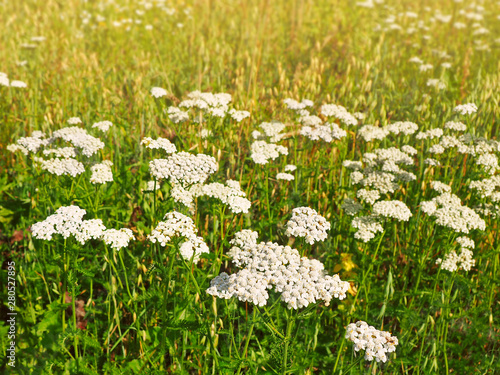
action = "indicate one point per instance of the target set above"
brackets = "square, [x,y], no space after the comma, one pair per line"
[245,285]
[238,116]
[310,120]
[453,262]
[68,221]
[300,281]
[67,166]
[440,187]
[392,209]
[261,151]
[158,92]
[285,176]
[29,144]
[184,168]
[376,344]
[384,156]
[90,229]
[193,248]
[425,67]
[338,112]
[437,83]
[305,222]
[62,152]
[489,162]
[273,130]
[487,187]
[212,103]
[488,209]
[381,181]
[407,149]
[466,242]
[4,81]
[101,173]
[231,194]
[74,120]
[327,132]
[368,196]
[448,211]
[466,109]
[370,132]
[160,143]
[296,106]
[176,224]
[103,125]
[381,173]
[177,115]
[65,221]
[215,105]
[150,186]
[430,134]
[432,162]
[117,238]
[351,207]
[404,127]
[79,137]
[455,125]
[367,227]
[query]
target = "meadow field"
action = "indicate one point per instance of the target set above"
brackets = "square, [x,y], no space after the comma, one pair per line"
[249,187]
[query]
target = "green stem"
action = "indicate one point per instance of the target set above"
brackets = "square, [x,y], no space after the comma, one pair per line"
[250,331]
[269,214]
[289,325]
[125,272]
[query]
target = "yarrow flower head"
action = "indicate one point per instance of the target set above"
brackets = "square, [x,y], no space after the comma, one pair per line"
[367,227]
[68,221]
[448,211]
[230,194]
[103,125]
[327,132]
[305,222]
[74,120]
[101,173]
[376,344]
[405,127]
[297,106]
[117,238]
[18,84]
[176,224]
[65,221]
[273,130]
[158,92]
[392,209]
[338,112]
[160,143]
[177,115]
[455,125]
[184,168]
[453,262]
[79,137]
[238,116]
[261,151]
[300,281]
[466,109]
[60,167]
[285,176]
[370,132]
